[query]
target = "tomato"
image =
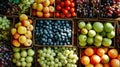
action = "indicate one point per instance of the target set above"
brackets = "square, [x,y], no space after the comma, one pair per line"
[64,11]
[67,3]
[68,15]
[62,15]
[57,14]
[67,8]
[62,4]
[72,4]
[72,10]
[58,7]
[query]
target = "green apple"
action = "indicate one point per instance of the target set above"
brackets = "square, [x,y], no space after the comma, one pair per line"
[28,64]
[29,59]
[23,53]
[111,34]
[23,64]
[90,40]
[16,49]
[98,38]
[105,59]
[88,26]
[84,31]
[97,44]
[108,27]
[18,63]
[106,42]
[81,24]
[17,55]
[82,44]
[30,52]
[14,60]
[82,38]
[98,27]
[91,33]
[22,59]
[103,33]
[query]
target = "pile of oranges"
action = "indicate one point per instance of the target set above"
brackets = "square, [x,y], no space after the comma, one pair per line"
[100,57]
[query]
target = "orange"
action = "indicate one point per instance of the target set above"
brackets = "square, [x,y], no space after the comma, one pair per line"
[115,63]
[85,60]
[113,53]
[100,51]
[89,51]
[106,65]
[99,65]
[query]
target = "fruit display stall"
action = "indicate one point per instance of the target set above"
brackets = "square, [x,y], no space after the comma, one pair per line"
[59,33]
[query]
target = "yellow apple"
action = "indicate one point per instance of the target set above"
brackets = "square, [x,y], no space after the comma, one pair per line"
[25,22]
[30,21]
[51,8]
[30,27]
[22,30]
[47,15]
[46,3]
[39,1]
[39,14]
[28,34]
[23,17]
[46,9]
[28,42]
[16,43]
[13,31]
[52,2]
[18,24]
[39,7]
[34,6]
[22,39]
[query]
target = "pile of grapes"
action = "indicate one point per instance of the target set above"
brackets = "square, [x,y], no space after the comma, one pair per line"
[57,57]
[5,53]
[88,8]
[53,32]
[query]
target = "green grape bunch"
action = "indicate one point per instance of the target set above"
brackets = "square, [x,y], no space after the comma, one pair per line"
[4,23]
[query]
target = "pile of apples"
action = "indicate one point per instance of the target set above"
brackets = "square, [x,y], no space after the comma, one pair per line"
[100,57]
[23,57]
[95,33]
[43,8]
[22,32]
[65,8]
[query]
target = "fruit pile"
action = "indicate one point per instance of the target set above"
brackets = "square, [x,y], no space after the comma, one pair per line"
[43,8]
[5,53]
[10,7]
[100,57]
[65,8]
[96,33]
[5,24]
[88,8]
[110,8]
[53,32]
[22,33]
[57,57]
[23,57]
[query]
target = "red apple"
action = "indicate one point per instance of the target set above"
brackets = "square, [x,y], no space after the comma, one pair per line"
[39,14]
[16,36]
[16,43]
[46,15]
[25,22]
[46,9]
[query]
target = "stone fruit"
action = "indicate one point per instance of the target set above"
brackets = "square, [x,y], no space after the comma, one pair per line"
[111,34]
[105,59]
[25,22]
[39,7]
[97,44]
[13,31]
[22,30]
[85,60]
[98,38]
[16,43]
[82,44]
[17,55]
[22,39]
[46,3]
[84,31]
[108,27]
[28,42]
[30,27]
[106,42]
[90,40]
[46,9]
[98,26]
[89,51]
[30,52]
[39,14]
[23,53]
[91,33]
[81,24]
[95,59]
[115,63]
[23,17]
[113,53]
[88,26]
[82,38]
[16,36]
[29,59]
